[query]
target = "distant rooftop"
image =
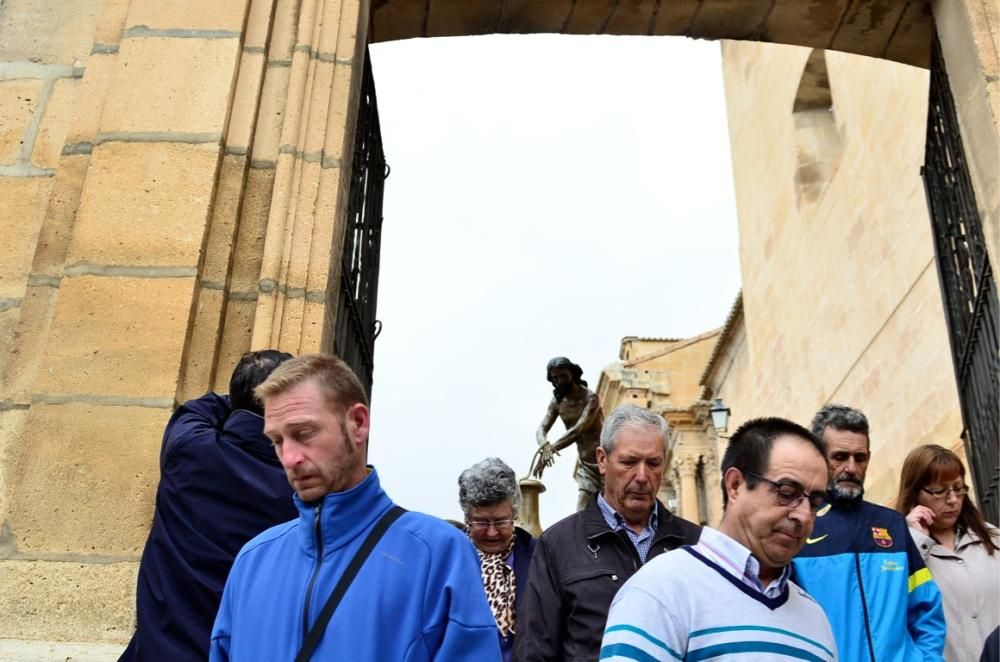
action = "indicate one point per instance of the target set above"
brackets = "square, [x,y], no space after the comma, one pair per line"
[727,332]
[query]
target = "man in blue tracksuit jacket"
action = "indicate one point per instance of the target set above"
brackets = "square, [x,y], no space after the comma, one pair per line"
[220,485]
[417,597]
[860,563]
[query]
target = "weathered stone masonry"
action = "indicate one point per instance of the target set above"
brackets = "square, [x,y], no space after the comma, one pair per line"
[173,180]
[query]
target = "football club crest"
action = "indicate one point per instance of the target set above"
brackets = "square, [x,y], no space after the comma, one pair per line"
[881,537]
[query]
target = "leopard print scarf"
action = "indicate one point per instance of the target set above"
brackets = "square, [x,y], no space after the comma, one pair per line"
[498,580]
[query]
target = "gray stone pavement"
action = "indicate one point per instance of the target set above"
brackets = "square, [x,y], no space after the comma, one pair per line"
[21,650]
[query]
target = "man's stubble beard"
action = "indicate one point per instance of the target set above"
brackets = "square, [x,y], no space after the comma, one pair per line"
[847,493]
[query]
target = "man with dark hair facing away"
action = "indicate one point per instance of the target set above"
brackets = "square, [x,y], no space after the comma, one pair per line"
[220,485]
[860,562]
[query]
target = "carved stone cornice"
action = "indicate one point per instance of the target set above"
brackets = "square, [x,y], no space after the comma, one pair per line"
[687,465]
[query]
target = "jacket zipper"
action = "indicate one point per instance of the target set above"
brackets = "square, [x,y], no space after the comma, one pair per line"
[312,580]
[864,606]
[632,551]
[636,559]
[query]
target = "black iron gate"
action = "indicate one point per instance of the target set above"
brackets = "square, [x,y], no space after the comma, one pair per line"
[356,327]
[967,287]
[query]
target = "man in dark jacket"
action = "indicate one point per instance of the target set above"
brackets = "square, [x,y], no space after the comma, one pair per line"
[220,485]
[581,561]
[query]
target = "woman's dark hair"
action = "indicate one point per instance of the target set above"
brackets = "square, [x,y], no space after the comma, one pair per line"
[253,369]
[930,464]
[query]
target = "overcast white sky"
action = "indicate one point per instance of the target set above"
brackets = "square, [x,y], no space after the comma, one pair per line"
[549,195]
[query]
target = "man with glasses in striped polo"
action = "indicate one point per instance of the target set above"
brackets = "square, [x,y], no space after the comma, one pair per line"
[730,593]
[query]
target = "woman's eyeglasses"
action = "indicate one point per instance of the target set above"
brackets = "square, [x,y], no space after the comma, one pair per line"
[942,493]
[790,495]
[498,524]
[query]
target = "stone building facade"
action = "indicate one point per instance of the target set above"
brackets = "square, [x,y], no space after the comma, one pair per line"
[841,300]
[173,184]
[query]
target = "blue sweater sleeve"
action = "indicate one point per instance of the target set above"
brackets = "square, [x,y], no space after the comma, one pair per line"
[924,608]
[222,630]
[458,622]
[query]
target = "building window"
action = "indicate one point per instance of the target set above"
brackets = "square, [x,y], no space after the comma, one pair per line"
[817,141]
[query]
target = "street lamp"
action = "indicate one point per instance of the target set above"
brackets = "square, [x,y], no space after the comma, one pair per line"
[720,416]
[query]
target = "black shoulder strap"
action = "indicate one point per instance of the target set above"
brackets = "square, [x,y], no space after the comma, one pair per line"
[319,627]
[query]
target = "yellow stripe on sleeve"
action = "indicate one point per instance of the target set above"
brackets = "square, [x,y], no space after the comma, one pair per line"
[920,577]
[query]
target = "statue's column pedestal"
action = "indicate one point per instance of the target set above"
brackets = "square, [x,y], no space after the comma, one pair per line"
[528,517]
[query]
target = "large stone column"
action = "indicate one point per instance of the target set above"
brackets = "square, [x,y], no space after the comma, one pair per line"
[687,468]
[296,303]
[99,363]
[713,488]
[182,198]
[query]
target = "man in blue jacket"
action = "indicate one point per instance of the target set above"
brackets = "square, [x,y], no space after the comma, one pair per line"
[861,564]
[220,485]
[417,596]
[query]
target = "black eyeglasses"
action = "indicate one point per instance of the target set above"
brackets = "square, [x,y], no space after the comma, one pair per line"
[942,493]
[790,495]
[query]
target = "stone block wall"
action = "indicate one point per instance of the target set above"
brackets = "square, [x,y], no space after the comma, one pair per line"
[173,183]
[841,300]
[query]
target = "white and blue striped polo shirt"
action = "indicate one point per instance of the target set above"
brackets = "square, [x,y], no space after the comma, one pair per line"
[705,602]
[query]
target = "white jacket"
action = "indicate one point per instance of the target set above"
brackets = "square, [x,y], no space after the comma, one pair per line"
[969,580]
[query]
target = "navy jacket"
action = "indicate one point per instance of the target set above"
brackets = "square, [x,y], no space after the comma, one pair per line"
[524,546]
[220,485]
[576,569]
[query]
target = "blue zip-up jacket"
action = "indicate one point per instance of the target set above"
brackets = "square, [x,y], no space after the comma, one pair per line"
[861,565]
[221,484]
[418,597]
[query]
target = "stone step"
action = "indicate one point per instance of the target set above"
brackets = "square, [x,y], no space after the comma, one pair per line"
[24,650]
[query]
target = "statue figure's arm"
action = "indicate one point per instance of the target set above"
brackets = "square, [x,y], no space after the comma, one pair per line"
[589,415]
[546,452]
[547,422]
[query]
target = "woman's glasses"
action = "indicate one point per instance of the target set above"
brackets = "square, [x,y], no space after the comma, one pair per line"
[942,493]
[498,524]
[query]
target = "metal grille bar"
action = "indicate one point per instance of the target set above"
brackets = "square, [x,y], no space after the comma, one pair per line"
[967,287]
[356,326]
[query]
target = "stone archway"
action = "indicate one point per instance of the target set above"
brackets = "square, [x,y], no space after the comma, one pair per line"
[897,30]
[234,122]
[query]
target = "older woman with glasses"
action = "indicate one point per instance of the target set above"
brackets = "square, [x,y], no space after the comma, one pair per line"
[490,498]
[958,546]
